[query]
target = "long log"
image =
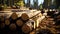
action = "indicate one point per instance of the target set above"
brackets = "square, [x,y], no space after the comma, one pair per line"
[28,26]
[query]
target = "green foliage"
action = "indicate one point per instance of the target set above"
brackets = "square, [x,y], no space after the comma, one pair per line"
[20,3]
[41,6]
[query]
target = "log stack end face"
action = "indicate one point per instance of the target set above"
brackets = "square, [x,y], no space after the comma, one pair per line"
[14,16]
[24,16]
[19,22]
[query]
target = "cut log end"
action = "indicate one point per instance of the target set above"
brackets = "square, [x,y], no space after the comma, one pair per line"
[12,27]
[24,16]
[19,22]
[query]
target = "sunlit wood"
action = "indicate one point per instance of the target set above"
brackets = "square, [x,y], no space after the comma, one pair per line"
[14,16]
[24,16]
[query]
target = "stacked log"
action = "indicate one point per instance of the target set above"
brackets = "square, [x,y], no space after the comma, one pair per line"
[12,26]
[14,16]
[11,22]
[24,17]
[7,21]
[19,22]
[27,27]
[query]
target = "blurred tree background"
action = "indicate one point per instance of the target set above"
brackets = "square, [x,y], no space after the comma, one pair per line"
[41,6]
[21,3]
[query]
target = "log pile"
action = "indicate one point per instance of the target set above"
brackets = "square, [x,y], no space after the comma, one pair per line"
[24,24]
[13,22]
